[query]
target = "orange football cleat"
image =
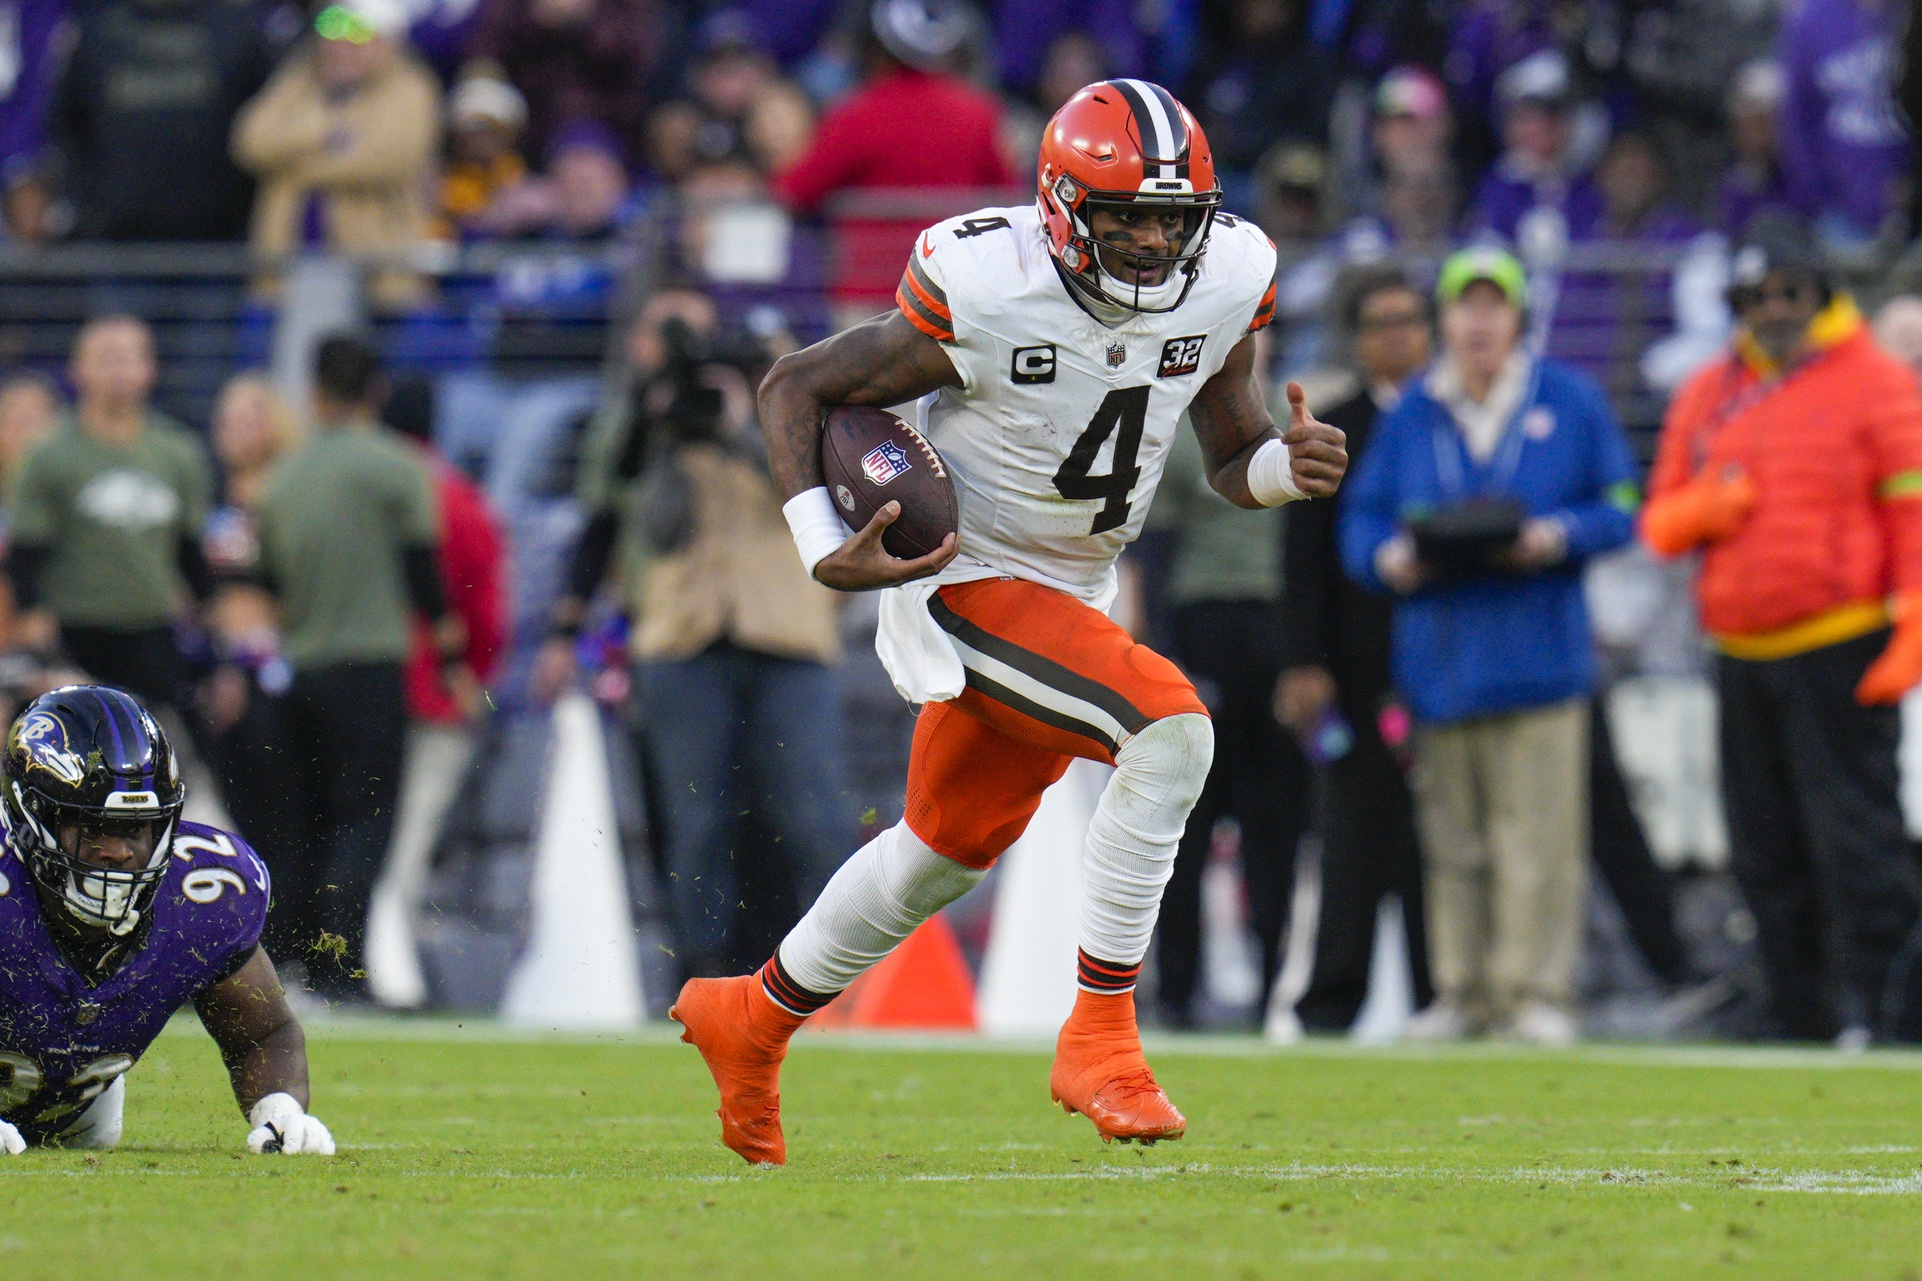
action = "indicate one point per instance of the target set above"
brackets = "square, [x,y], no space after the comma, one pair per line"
[743,1036]
[1100,1072]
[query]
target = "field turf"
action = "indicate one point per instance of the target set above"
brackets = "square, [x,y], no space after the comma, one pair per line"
[469,1152]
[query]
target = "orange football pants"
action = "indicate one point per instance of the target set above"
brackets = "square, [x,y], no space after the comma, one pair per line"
[1048,679]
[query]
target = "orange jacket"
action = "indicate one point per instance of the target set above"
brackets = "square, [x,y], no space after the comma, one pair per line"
[1835,452]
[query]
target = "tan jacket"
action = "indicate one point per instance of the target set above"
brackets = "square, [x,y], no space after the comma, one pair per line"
[367,156]
[739,579]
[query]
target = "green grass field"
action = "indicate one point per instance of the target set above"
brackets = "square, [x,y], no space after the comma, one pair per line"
[468,1152]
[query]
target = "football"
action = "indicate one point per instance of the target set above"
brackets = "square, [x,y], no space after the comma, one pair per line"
[870,456]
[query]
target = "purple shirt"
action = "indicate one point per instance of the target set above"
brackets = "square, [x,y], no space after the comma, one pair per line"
[1487,38]
[62,1041]
[1843,148]
[1745,195]
[27,66]
[1024,29]
[1504,198]
[1604,321]
[792,28]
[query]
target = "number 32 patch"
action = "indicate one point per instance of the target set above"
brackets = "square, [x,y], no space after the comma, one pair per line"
[1180,356]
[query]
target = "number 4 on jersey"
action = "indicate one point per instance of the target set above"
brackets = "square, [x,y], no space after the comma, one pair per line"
[1126,407]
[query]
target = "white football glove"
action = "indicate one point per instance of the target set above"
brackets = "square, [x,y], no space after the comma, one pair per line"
[10,1141]
[282,1125]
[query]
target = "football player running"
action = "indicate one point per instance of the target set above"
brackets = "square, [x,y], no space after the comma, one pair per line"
[1056,346]
[113,914]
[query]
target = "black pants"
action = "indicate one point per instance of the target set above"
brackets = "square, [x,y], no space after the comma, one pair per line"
[265,793]
[144,661]
[1369,850]
[1258,778]
[346,728]
[1809,783]
[1620,850]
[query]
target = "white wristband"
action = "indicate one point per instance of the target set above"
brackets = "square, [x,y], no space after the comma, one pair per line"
[1271,475]
[818,528]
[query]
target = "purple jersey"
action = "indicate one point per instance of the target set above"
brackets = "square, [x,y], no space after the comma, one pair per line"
[61,1041]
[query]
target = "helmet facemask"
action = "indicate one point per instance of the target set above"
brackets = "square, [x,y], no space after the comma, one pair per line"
[114,899]
[1090,260]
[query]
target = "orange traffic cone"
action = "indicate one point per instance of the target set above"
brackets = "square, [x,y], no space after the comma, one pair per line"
[923,984]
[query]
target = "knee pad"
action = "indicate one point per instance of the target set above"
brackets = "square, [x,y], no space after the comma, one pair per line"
[1170,759]
[1158,778]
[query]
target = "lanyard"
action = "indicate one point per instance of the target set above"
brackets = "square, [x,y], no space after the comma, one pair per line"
[1451,447]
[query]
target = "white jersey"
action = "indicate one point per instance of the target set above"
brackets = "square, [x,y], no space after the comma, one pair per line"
[1059,432]
[1057,437]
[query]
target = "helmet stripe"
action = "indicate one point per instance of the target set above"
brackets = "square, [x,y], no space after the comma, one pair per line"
[147,749]
[1164,135]
[1177,127]
[113,723]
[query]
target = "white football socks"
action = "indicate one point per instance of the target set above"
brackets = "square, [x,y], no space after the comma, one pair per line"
[895,882]
[1131,842]
[890,885]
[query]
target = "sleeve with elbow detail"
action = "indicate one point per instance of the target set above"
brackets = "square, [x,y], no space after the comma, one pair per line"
[26,563]
[191,560]
[592,555]
[1895,436]
[420,564]
[1902,518]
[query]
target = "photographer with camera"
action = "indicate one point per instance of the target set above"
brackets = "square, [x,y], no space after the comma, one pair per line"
[1484,492]
[733,645]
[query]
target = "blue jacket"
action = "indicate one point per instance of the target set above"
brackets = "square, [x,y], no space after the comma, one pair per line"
[1495,644]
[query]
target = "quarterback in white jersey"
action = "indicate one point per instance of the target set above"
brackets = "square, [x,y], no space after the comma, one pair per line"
[1053,350]
[1061,424]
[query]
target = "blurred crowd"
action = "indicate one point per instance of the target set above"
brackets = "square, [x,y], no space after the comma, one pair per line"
[1528,249]
[376,125]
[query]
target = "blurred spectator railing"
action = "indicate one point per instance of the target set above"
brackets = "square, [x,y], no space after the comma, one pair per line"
[1637,316]
[195,296]
[519,310]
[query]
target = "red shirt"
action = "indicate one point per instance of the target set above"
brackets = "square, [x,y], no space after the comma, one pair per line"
[904,128]
[472,571]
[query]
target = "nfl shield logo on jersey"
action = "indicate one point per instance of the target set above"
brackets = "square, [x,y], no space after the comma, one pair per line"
[884,462]
[1117,355]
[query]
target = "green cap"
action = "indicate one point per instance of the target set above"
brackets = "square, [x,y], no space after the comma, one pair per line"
[1483,262]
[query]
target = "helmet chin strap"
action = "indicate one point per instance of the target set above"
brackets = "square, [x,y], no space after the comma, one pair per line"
[113,894]
[1148,297]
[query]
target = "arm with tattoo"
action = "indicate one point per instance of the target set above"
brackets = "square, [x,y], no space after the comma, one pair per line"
[1233,424]
[884,361]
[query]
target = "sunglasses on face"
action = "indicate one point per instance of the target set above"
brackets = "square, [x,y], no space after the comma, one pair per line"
[1792,294]
[1394,320]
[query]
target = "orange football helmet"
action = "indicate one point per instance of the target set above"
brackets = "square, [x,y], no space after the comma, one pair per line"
[1126,143]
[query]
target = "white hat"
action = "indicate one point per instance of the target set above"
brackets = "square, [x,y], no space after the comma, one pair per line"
[486,98]
[1542,77]
[924,34]
[384,18]
[1757,88]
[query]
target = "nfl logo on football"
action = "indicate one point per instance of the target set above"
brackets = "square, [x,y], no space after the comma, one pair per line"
[884,462]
